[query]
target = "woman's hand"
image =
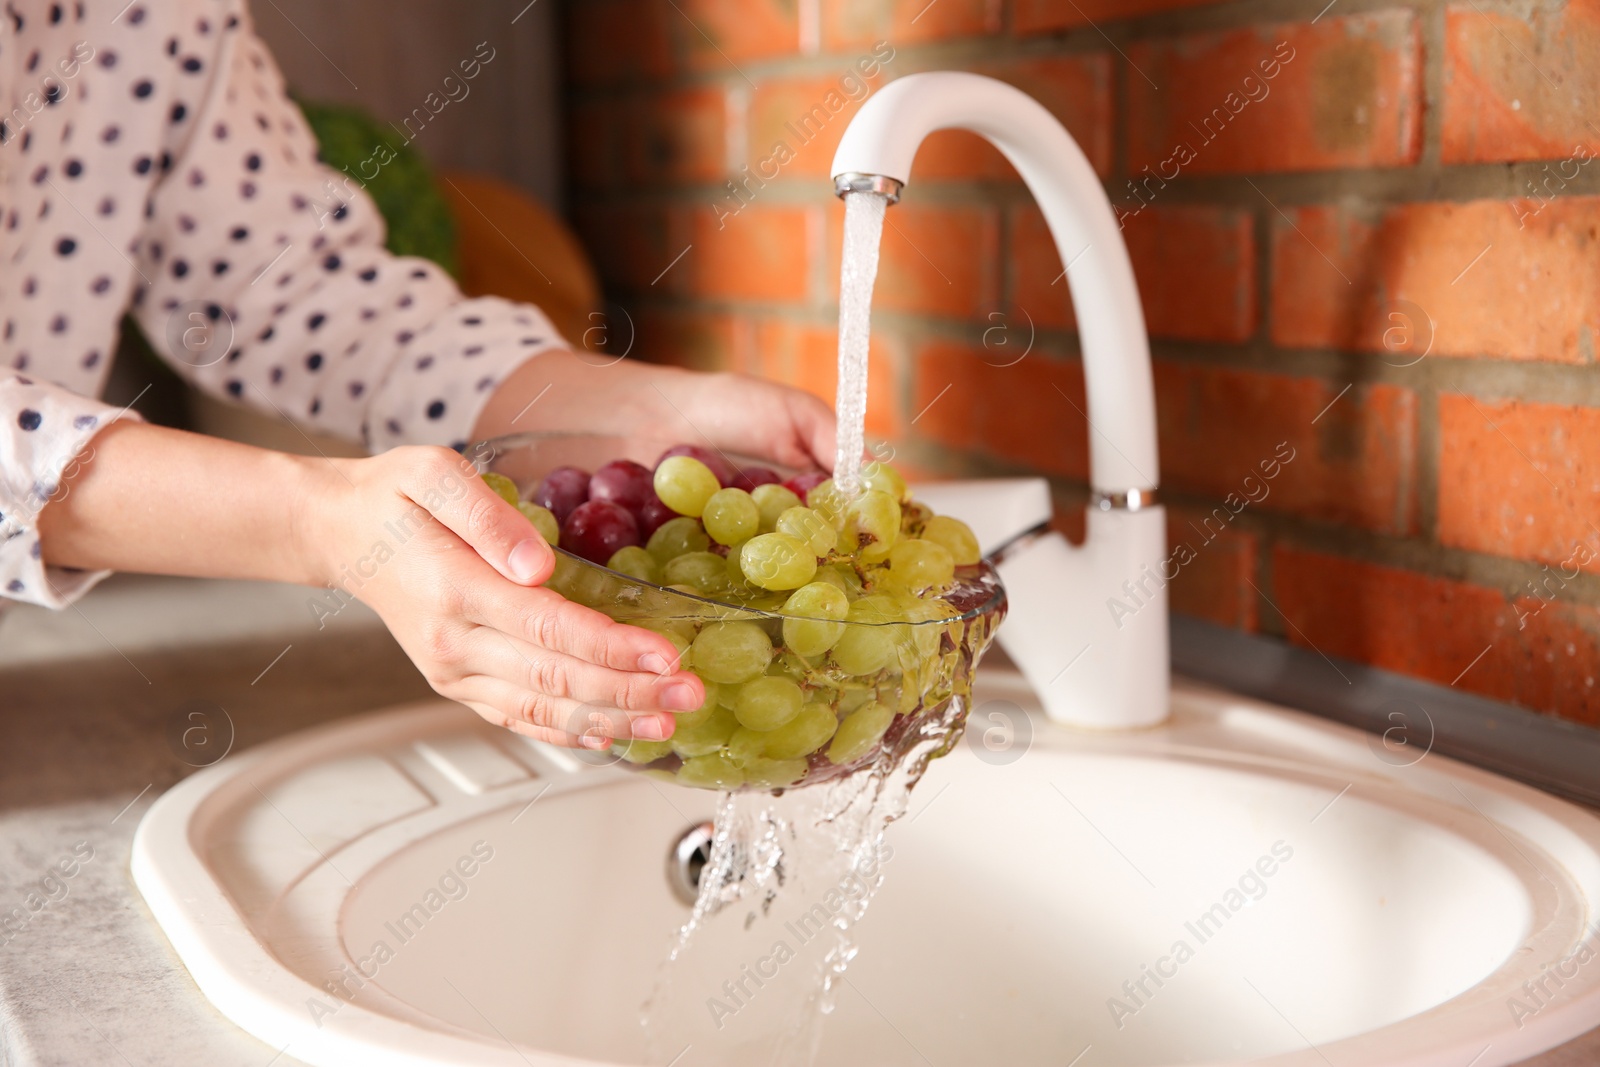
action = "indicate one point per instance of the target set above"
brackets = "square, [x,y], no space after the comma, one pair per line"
[454,572]
[587,393]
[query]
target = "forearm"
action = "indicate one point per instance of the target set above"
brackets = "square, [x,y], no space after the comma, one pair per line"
[161,501]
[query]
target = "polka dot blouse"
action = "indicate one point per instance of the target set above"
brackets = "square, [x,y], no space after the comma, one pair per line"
[151,160]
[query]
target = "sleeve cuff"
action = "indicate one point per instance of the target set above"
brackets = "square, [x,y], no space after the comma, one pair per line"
[46,435]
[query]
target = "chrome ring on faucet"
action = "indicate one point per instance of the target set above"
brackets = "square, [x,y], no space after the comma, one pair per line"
[1124,499]
[856,182]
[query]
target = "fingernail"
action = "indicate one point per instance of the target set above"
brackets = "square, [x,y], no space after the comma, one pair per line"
[650,728]
[654,662]
[524,560]
[594,741]
[682,697]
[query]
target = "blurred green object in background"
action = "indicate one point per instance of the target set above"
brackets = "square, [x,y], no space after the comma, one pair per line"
[356,144]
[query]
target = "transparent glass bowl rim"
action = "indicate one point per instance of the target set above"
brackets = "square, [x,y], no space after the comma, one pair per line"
[495,446]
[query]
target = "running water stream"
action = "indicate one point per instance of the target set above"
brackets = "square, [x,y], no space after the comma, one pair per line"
[757,967]
[863,231]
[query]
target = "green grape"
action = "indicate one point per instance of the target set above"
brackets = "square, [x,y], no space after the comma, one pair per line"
[503,486]
[732,652]
[884,478]
[639,750]
[914,515]
[956,537]
[684,484]
[704,571]
[710,735]
[827,498]
[773,500]
[543,519]
[635,562]
[777,561]
[809,527]
[851,699]
[731,516]
[806,733]
[675,537]
[917,565]
[714,771]
[859,732]
[843,577]
[872,523]
[747,744]
[820,609]
[870,646]
[924,613]
[767,703]
[775,773]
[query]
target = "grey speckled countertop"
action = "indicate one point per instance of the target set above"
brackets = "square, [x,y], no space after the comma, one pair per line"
[88,701]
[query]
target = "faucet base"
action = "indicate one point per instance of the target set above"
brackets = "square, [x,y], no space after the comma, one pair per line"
[1087,626]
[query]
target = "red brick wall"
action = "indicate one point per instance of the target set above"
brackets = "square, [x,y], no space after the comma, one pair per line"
[1371,234]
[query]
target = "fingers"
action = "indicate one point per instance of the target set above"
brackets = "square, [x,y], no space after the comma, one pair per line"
[816,426]
[544,618]
[556,674]
[495,717]
[559,720]
[446,486]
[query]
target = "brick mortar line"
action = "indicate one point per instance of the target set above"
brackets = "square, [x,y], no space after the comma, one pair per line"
[1370,190]
[1502,574]
[988,48]
[1534,381]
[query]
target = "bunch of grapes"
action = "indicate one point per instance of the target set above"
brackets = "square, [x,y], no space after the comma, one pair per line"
[824,626]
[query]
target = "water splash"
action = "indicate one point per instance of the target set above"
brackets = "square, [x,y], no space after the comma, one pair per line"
[803,867]
[863,229]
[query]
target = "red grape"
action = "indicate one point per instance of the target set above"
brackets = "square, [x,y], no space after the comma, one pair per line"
[622,481]
[652,515]
[562,490]
[596,529]
[750,477]
[801,484]
[719,466]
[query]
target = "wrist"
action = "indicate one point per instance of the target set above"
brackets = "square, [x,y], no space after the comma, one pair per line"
[316,505]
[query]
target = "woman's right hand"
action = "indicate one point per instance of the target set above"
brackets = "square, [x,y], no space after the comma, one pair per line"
[454,572]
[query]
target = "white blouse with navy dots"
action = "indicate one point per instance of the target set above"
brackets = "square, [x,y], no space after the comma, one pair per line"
[151,160]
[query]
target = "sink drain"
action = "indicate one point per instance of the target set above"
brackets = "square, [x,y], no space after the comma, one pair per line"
[686,859]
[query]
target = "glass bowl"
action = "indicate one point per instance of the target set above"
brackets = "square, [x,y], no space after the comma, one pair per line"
[910,674]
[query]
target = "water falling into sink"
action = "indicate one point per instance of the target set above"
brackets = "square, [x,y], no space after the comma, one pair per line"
[785,857]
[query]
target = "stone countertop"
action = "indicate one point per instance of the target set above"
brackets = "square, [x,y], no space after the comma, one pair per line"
[93,704]
[88,704]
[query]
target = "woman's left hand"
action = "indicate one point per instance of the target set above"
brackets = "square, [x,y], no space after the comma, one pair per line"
[589,393]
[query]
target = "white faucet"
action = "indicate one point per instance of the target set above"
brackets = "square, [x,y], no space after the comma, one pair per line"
[1087,625]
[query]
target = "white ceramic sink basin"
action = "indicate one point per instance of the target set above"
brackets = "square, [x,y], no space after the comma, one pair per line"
[1333,909]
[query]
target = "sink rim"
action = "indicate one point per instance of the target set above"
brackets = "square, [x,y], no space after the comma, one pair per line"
[206,928]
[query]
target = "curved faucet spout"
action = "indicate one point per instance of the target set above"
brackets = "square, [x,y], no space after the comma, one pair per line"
[882,140]
[1087,626]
